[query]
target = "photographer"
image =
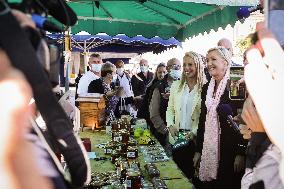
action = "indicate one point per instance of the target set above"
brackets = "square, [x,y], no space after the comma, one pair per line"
[29,53]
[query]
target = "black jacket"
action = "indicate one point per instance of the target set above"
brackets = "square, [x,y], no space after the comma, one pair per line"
[138,86]
[231,142]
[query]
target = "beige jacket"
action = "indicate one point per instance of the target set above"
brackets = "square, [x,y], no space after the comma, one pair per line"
[173,114]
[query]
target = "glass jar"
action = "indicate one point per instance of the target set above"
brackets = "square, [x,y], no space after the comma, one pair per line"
[116,136]
[115,154]
[123,170]
[108,148]
[152,170]
[115,126]
[133,179]
[124,136]
[132,152]
[134,164]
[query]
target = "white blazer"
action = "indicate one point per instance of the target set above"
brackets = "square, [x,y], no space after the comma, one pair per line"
[173,114]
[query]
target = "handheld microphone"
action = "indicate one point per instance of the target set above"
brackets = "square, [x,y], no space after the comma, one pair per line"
[226,111]
[244,12]
[42,23]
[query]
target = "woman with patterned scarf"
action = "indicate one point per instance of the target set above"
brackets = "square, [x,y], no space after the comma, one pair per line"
[183,111]
[220,150]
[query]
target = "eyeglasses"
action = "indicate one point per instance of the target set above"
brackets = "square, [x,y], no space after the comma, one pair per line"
[175,66]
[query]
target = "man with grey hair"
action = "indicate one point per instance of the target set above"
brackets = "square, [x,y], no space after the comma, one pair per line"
[159,103]
[95,63]
[224,42]
[141,80]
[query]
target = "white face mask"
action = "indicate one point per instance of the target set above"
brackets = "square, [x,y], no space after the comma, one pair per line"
[144,69]
[96,67]
[114,78]
[175,74]
[120,71]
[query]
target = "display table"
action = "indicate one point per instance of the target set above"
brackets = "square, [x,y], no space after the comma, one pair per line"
[92,108]
[167,169]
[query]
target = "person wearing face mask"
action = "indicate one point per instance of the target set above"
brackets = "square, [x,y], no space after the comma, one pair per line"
[95,64]
[105,85]
[159,102]
[182,115]
[139,83]
[219,157]
[141,80]
[123,80]
[143,111]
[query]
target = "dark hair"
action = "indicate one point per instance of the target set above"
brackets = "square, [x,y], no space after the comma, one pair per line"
[107,68]
[161,65]
[96,55]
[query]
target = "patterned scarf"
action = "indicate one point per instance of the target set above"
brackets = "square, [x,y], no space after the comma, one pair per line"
[211,145]
[111,101]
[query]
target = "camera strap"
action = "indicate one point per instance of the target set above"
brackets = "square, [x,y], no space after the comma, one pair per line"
[23,57]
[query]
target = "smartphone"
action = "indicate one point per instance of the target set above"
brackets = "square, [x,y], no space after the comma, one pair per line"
[237,90]
[274,14]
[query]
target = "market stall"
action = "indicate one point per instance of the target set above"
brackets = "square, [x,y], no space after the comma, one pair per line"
[105,168]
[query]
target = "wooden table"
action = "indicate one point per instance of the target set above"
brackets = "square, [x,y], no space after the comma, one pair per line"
[167,169]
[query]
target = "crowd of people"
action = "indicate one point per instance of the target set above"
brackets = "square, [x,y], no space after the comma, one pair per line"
[183,104]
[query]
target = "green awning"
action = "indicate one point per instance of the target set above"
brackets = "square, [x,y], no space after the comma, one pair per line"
[161,18]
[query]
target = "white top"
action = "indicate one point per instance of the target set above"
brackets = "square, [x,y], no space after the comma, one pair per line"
[125,83]
[186,107]
[266,169]
[85,81]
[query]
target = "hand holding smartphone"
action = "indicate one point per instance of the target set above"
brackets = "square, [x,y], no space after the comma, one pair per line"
[237,88]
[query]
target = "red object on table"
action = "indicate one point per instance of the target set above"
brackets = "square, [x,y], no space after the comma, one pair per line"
[87,143]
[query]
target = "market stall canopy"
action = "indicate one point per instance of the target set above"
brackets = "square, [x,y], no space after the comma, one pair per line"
[225,2]
[150,18]
[118,43]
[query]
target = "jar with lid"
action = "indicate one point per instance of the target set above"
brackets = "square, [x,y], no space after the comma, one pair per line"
[124,136]
[116,136]
[133,179]
[115,154]
[123,170]
[132,152]
[115,126]
[152,170]
[108,148]
[134,164]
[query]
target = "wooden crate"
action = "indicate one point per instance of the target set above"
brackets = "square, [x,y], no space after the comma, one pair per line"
[92,111]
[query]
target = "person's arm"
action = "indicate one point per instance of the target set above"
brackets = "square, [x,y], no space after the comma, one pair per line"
[16,156]
[154,110]
[96,87]
[201,125]
[266,170]
[134,85]
[170,114]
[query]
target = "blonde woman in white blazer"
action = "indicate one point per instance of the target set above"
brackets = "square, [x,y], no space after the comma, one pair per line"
[184,108]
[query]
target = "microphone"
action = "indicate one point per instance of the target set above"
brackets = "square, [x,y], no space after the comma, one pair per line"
[226,111]
[244,12]
[42,23]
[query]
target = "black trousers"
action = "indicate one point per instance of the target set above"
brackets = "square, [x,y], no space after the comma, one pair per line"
[183,157]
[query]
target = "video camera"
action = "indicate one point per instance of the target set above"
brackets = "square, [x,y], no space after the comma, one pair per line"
[29,53]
